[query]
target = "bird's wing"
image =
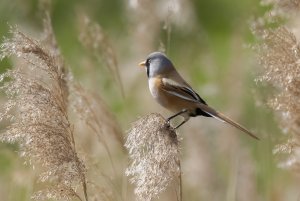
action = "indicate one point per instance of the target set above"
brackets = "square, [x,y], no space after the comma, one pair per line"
[182,90]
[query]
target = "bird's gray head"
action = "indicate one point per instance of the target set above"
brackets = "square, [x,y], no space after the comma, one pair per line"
[157,63]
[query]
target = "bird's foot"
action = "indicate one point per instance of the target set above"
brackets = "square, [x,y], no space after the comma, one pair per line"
[168,123]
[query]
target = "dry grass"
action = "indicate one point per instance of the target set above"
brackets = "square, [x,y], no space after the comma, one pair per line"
[279,55]
[153,149]
[37,108]
[94,112]
[93,38]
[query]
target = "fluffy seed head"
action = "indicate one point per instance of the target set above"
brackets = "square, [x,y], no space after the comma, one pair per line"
[154,153]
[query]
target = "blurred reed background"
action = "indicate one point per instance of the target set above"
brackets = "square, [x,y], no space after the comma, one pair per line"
[242,57]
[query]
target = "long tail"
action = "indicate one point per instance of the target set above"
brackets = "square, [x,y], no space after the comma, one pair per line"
[223,118]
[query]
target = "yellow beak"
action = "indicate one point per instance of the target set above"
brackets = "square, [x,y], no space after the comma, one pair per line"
[142,64]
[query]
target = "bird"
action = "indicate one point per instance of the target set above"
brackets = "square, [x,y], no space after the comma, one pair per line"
[172,92]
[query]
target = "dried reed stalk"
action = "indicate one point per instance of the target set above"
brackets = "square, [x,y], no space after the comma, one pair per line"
[279,55]
[94,39]
[37,108]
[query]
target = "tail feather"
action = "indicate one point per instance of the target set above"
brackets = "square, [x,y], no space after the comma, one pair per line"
[236,125]
[226,119]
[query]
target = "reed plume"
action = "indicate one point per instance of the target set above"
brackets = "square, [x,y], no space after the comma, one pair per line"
[95,41]
[279,55]
[37,109]
[153,149]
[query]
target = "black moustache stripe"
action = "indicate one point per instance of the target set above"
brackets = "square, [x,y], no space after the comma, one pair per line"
[147,71]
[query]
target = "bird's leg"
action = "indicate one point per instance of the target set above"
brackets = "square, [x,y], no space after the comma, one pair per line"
[185,120]
[177,114]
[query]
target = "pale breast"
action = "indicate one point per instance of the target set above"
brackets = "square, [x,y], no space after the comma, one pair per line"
[154,87]
[156,91]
